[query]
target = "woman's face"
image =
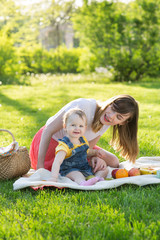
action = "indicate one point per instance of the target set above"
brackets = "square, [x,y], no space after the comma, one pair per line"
[110,117]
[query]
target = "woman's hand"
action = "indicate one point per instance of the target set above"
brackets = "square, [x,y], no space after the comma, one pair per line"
[98,164]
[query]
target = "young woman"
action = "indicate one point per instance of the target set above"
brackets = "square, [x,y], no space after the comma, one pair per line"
[121,112]
[72,151]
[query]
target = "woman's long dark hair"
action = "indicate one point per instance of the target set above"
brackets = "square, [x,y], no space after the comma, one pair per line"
[124,137]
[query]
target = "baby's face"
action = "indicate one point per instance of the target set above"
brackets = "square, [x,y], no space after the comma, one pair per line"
[75,126]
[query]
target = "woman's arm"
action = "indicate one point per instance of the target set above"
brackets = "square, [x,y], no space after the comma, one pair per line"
[95,153]
[94,141]
[110,159]
[60,156]
[48,131]
[92,152]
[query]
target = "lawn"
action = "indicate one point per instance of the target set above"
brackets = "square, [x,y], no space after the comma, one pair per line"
[127,212]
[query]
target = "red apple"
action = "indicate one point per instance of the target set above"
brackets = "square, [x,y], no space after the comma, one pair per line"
[114,172]
[134,172]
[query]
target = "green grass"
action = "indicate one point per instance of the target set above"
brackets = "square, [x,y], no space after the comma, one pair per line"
[127,212]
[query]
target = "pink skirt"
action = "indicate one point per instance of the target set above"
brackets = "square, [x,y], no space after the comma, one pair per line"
[50,155]
[34,149]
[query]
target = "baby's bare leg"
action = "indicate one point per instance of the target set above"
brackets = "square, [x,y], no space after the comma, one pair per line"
[79,178]
[76,176]
[102,173]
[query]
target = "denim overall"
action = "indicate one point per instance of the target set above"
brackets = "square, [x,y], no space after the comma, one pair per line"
[77,161]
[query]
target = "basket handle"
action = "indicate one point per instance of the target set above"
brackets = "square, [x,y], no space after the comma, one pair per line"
[5,130]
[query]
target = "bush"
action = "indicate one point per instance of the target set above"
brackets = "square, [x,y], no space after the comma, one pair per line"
[26,59]
[7,61]
[87,61]
[39,60]
[134,65]
[66,60]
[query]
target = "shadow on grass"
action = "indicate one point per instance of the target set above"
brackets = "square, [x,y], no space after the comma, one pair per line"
[149,85]
[39,116]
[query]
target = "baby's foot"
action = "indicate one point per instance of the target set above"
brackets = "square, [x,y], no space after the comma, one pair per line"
[89,182]
[100,179]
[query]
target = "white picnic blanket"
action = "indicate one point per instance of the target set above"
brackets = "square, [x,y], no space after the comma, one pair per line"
[39,179]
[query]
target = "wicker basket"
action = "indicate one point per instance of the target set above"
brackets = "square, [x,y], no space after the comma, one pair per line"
[16,163]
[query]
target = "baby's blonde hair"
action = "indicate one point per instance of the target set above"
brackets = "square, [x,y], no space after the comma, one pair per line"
[76,111]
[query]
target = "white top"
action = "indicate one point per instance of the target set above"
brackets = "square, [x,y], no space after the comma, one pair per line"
[89,107]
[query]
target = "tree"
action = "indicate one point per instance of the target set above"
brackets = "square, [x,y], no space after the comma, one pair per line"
[124,36]
[55,14]
[23,23]
[17,23]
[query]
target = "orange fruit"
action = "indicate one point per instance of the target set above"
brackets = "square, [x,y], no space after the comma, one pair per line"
[121,173]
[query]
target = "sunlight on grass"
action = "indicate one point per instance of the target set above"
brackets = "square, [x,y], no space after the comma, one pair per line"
[127,212]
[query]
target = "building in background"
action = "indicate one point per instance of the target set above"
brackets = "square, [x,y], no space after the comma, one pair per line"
[60,34]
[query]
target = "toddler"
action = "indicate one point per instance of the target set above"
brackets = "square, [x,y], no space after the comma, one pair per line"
[72,151]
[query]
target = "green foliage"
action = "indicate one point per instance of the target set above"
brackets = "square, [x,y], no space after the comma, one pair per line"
[32,59]
[7,61]
[126,36]
[87,61]
[66,60]
[36,59]
[6,54]
[122,37]
[26,60]
[17,23]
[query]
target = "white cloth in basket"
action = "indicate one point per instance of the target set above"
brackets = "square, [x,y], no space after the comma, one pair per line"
[7,151]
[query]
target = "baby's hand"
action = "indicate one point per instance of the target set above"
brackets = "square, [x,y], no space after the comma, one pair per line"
[98,164]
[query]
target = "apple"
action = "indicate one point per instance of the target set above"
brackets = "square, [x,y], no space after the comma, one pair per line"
[114,172]
[134,172]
